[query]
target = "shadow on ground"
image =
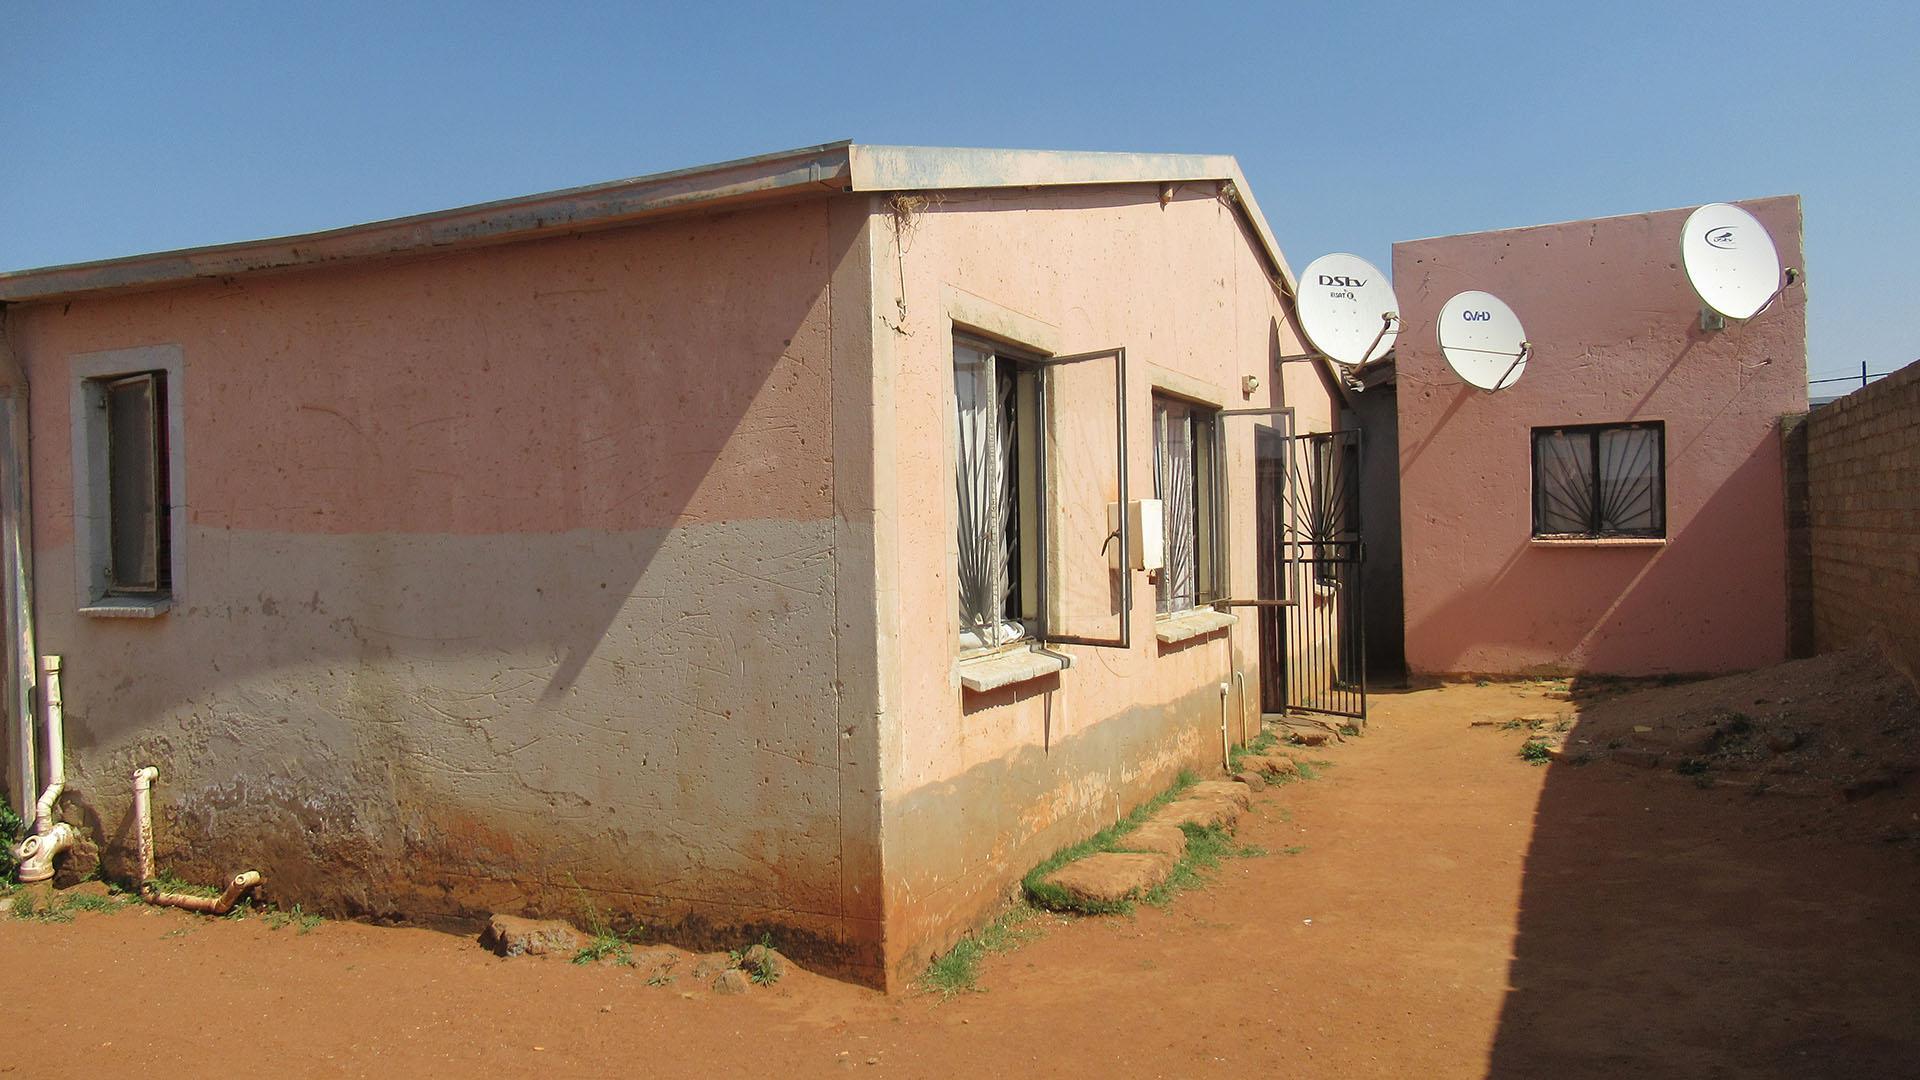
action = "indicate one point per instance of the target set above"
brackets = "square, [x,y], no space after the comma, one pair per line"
[1711,890]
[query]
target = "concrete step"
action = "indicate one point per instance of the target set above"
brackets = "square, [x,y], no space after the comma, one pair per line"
[1112,877]
[1205,811]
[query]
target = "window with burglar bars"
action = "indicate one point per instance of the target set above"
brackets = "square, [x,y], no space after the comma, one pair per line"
[1600,480]
[1185,480]
[994,457]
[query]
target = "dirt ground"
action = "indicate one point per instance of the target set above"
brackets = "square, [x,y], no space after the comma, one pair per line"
[1450,910]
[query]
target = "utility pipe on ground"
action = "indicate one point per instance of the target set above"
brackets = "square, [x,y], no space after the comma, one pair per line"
[149,888]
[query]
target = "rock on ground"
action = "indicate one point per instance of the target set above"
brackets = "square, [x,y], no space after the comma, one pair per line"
[765,964]
[731,981]
[1112,877]
[511,935]
[1203,813]
[1163,839]
[1233,792]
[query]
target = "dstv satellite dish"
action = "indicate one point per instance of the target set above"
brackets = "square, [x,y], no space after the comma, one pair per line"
[1483,341]
[1347,309]
[1731,261]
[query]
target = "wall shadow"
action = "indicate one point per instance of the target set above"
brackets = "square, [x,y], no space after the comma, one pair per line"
[1673,929]
[1714,581]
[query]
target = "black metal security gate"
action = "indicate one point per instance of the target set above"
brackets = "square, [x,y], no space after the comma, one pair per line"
[1323,556]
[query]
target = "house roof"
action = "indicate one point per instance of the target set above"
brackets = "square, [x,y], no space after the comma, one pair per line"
[832,167]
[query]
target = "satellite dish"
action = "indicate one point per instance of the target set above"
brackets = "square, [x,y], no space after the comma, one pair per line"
[1730,260]
[1483,341]
[1347,308]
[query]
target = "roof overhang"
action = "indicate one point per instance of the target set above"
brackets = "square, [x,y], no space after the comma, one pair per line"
[831,167]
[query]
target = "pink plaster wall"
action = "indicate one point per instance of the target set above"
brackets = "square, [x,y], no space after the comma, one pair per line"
[1616,336]
[510,583]
[981,787]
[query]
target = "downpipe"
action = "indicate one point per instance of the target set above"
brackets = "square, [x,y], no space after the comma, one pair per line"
[241,884]
[1226,739]
[36,853]
[1240,687]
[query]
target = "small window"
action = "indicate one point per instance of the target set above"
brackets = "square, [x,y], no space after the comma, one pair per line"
[1040,470]
[1186,481]
[128,481]
[139,524]
[1600,480]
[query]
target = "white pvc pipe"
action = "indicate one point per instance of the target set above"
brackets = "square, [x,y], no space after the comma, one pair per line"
[56,742]
[1226,739]
[50,837]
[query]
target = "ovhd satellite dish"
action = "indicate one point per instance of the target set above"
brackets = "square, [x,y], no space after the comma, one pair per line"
[1730,260]
[1347,309]
[1483,341]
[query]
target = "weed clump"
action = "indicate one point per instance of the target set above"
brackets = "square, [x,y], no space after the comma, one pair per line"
[957,971]
[1111,838]
[1536,752]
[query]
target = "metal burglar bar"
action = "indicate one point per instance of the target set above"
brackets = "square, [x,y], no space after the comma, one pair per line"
[1324,555]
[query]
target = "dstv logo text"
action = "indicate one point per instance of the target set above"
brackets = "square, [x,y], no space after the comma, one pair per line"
[1343,281]
[1721,238]
[1477,316]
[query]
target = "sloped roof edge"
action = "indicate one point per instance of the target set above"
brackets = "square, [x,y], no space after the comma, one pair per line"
[837,166]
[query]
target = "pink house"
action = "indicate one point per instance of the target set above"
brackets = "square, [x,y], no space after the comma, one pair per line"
[773,546]
[1622,508]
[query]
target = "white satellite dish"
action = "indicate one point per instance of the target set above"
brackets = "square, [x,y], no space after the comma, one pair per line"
[1730,260]
[1483,341]
[1347,308]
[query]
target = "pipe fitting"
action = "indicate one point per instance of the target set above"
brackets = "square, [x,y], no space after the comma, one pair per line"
[36,853]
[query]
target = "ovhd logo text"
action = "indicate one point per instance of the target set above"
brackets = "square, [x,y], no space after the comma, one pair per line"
[1342,280]
[1721,238]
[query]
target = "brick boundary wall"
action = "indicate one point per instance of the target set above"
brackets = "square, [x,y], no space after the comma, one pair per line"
[1863,485]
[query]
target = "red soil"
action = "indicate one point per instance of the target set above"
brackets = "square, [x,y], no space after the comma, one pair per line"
[1452,911]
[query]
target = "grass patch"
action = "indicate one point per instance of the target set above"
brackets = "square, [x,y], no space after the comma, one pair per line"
[1535,752]
[1111,838]
[1207,847]
[1350,730]
[1258,745]
[168,881]
[59,908]
[757,961]
[279,919]
[958,970]
[605,942]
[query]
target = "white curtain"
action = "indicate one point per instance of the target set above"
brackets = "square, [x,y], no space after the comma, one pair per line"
[982,450]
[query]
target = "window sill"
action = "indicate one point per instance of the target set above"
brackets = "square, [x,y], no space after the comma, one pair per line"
[1598,542]
[982,673]
[1187,625]
[127,607]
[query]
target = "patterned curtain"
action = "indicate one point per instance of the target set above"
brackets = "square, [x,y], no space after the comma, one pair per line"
[1173,477]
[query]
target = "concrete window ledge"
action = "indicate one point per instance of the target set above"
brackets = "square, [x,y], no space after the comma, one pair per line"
[1598,542]
[126,607]
[1191,624]
[983,673]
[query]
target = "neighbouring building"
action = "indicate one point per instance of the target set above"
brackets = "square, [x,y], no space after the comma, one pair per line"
[1621,509]
[737,550]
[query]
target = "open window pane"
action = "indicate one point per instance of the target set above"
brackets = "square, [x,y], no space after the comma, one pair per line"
[135,484]
[1258,437]
[1088,589]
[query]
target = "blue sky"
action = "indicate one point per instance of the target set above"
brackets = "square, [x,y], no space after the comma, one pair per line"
[129,128]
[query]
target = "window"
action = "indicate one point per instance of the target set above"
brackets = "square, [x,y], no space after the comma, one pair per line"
[1600,480]
[1185,479]
[1039,476]
[128,480]
[996,401]
[138,514]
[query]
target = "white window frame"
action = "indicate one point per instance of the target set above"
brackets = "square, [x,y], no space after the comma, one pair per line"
[92,516]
